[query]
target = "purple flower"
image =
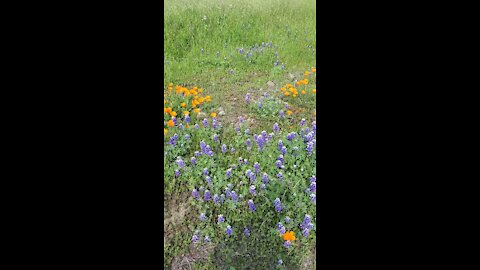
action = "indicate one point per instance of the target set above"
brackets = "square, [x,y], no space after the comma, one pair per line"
[309,137]
[220,219]
[193,160]
[313,198]
[313,186]
[278,205]
[197,153]
[177,173]
[284,150]
[256,166]
[280,157]
[246,232]
[275,127]
[302,123]
[196,126]
[234,196]
[287,220]
[202,146]
[229,230]
[216,199]
[207,195]
[307,219]
[282,115]
[247,98]
[180,162]
[232,149]
[251,205]
[280,145]
[310,226]
[265,178]
[291,136]
[229,173]
[187,118]
[205,171]
[282,230]
[201,189]
[174,119]
[241,119]
[209,180]
[222,198]
[252,190]
[224,148]
[240,51]
[187,137]
[214,123]
[245,161]
[259,105]
[205,122]
[215,137]
[313,179]
[195,193]
[280,176]
[195,238]
[262,187]
[248,142]
[278,164]
[310,147]
[202,217]
[279,226]
[305,232]
[287,244]
[180,126]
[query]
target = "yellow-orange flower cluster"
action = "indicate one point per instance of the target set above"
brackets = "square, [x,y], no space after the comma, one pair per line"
[183,100]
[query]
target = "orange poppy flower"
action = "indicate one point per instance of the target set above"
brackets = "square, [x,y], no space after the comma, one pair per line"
[170,123]
[213,114]
[183,105]
[289,236]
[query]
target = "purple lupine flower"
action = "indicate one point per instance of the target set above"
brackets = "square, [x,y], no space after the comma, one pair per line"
[196,126]
[232,71]
[275,63]
[302,123]
[287,244]
[263,186]
[205,171]
[259,105]
[237,129]
[180,162]
[229,230]
[282,230]
[310,148]
[193,160]
[229,173]
[216,199]
[253,177]
[286,105]
[208,150]
[209,180]
[177,173]
[305,232]
[275,128]
[205,122]
[252,190]
[284,150]
[265,178]
[255,137]
[313,186]
[280,176]
[247,98]
[187,137]
[314,127]
[195,193]
[229,185]
[214,123]
[224,148]
[251,205]
[248,172]
[279,226]
[180,126]
[310,226]
[281,114]
[287,220]
[280,157]
[202,146]
[227,191]
[309,137]
[232,150]
[215,138]
[241,119]
[246,231]
[222,198]
[280,145]
[220,219]
[174,119]
[256,166]
[248,143]
[240,51]
[291,136]
[207,195]
[206,239]
[187,119]
[234,166]
[201,189]
[245,161]
[307,219]
[197,153]
[313,198]
[234,196]
[278,205]
[202,217]
[278,164]
[195,238]
[313,179]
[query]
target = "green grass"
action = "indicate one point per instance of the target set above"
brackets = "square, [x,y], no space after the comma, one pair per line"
[229,26]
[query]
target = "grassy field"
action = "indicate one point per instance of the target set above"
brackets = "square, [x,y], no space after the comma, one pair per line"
[231,48]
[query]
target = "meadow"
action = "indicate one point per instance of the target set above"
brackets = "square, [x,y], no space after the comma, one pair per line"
[240,134]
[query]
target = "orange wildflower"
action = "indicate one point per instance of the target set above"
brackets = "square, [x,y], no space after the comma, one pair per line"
[289,112]
[183,105]
[289,236]
[213,114]
[170,123]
